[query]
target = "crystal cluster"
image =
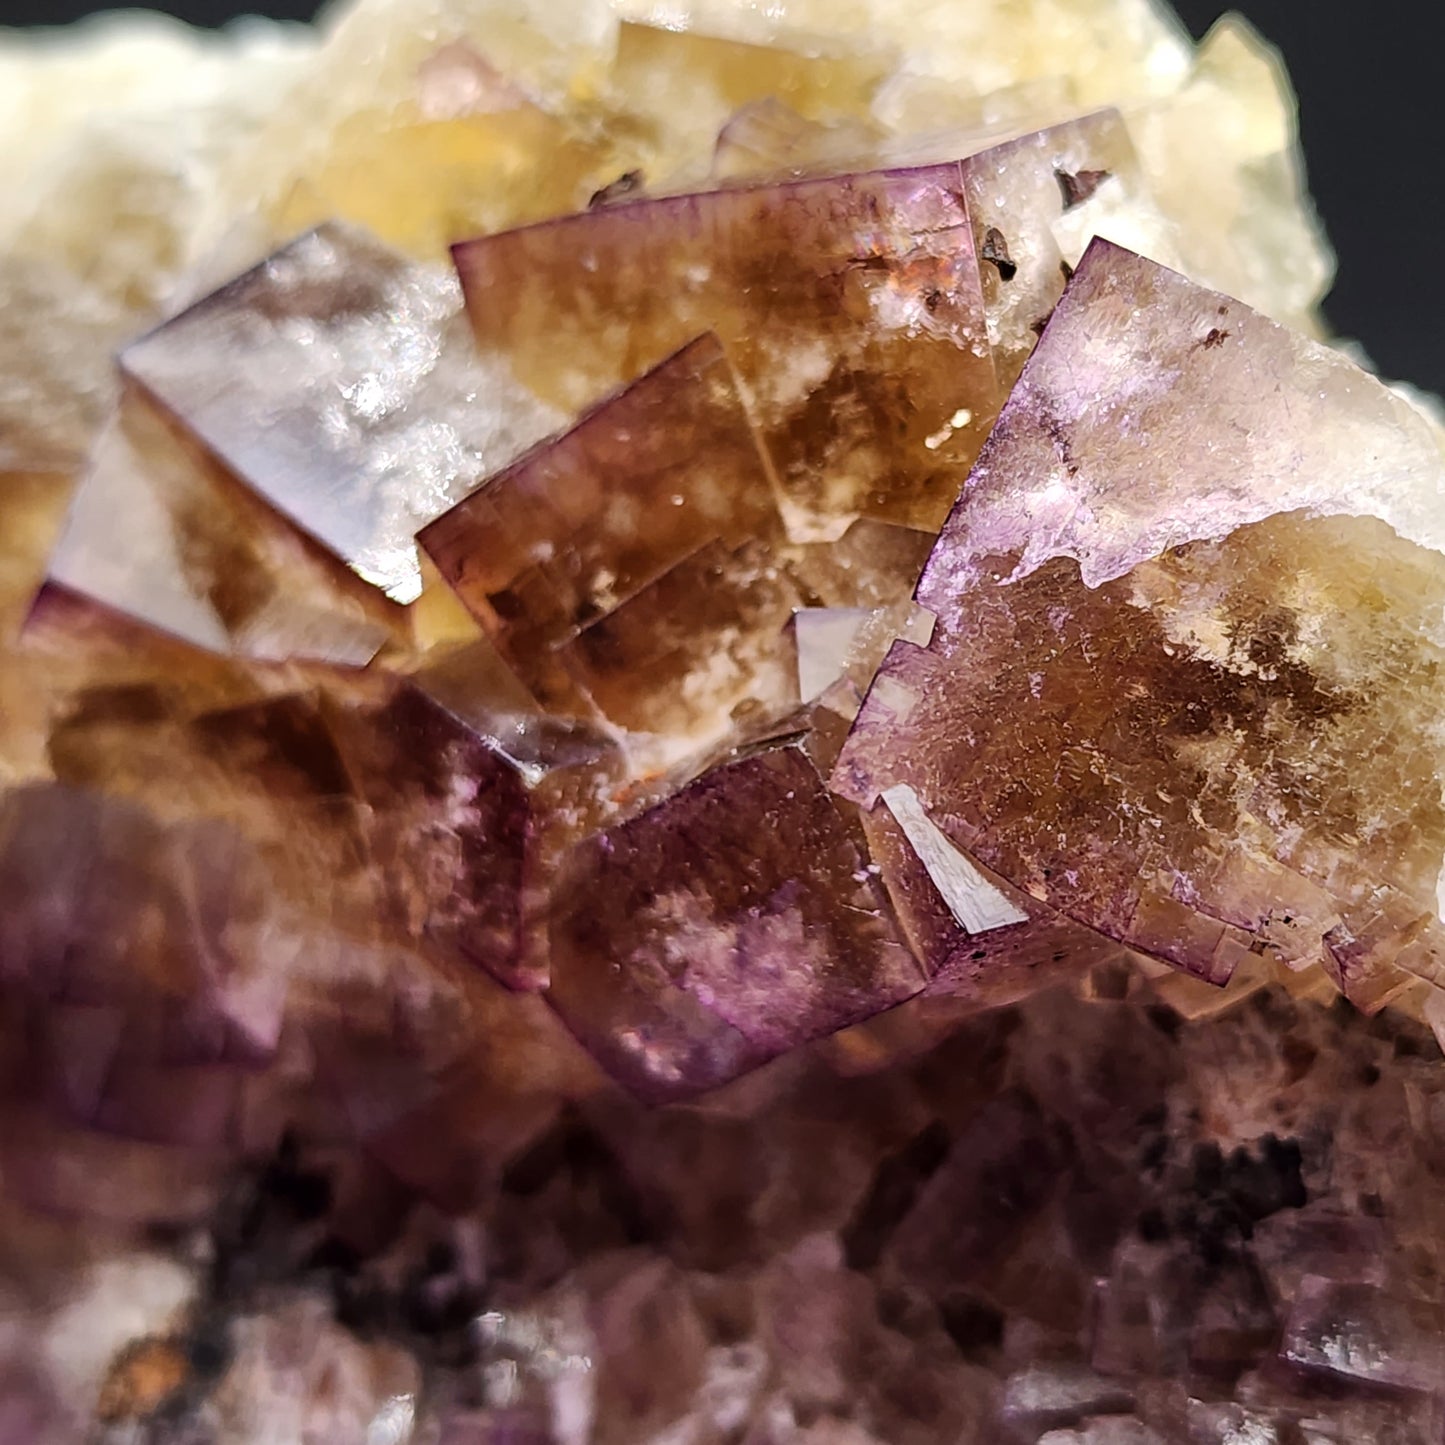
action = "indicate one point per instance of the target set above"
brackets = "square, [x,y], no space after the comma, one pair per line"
[750,753]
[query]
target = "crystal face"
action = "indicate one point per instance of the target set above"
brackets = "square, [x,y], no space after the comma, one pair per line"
[733,921]
[335,381]
[751,755]
[851,308]
[160,531]
[615,565]
[1206,795]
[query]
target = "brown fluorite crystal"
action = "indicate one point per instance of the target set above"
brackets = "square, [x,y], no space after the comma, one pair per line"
[1201,757]
[851,308]
[631,566]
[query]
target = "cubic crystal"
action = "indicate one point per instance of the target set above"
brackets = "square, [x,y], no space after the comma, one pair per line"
[729,923]
[850,308]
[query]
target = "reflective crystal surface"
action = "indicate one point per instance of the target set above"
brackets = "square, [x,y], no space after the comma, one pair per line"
[733,921]
[1177,749]
[630,565]
[162,532]
[336,380]
[850,306]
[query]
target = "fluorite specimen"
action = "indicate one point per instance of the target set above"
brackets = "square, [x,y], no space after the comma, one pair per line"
[624,569]
[732,922]
[802,803]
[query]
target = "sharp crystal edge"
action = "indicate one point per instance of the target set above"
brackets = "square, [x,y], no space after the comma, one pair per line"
[714,727]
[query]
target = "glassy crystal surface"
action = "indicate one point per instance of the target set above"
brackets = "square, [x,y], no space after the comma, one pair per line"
[449,827]
[483,993]
[337,381]
[850,308]
[733,921]
[1175,747]
[162,532]
[1034,202]
[686,85]
[456,157]
[1353,1330]
[629,564]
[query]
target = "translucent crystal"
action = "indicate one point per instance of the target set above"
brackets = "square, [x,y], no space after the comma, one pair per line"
[688,947]
[686,84]
[337,380]
[1212,799]
[850,308]
[449,834]
[628,563]
[1359,1332]
[161,532]
[1230,135]
[1033,201]
[442,996]
[420,181]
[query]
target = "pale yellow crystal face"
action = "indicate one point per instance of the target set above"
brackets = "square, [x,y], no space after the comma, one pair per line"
[683,87]
[215,151]
[420,184]
[1222,159]
[34,505]
[1136,50]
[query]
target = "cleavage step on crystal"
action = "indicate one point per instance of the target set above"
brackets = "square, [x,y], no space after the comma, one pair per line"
[1180,686]
[631,565]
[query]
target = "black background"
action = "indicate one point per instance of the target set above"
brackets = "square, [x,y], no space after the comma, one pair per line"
[1372,99]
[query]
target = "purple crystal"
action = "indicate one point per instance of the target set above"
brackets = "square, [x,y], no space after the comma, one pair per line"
[1362,1334]
[338,380]
[735,920]
[449,831]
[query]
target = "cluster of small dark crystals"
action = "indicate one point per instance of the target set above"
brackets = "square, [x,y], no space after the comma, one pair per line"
[798,802]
